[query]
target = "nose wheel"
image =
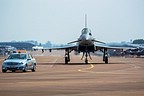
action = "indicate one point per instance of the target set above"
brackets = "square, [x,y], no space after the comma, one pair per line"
[86,61]
[86,55]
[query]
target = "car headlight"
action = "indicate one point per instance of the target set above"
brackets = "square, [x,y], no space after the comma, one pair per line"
[4,64]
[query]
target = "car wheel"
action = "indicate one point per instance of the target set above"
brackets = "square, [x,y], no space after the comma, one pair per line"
[25,69]
[4,71]
[13,70]
[34,68]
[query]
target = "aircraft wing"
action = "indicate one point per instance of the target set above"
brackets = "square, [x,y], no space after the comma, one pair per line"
[102,46]
[72,47]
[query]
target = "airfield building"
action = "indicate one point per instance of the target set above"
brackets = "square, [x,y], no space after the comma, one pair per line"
[18,45]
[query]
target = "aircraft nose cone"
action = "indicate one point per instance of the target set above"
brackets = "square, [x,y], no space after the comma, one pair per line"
[86,38]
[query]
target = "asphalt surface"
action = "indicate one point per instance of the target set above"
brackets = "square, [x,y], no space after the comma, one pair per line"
[122,77]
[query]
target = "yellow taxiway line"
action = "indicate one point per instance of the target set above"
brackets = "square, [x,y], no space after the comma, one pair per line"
[88,68]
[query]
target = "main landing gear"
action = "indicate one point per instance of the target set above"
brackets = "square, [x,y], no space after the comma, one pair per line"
[67,56]
[105,56]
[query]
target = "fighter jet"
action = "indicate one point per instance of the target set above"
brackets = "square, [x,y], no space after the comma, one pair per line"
[86,44]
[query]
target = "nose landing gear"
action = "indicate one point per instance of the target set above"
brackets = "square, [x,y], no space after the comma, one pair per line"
[86,55]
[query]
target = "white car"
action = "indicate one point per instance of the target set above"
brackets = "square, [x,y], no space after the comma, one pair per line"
[19,61]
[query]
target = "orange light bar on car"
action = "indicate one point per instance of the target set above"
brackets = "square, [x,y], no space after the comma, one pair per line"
[21,51]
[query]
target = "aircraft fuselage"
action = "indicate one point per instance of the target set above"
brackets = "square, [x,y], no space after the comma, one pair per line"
[86,41]
[86,38]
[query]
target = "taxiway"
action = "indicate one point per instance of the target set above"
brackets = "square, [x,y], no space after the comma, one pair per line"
[122,77]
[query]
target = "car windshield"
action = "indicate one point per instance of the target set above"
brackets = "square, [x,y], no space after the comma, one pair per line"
[17,56]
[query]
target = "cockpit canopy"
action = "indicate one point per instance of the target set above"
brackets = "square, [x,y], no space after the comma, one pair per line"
[86,31]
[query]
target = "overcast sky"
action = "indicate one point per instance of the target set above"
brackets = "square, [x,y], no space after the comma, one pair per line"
[61,21]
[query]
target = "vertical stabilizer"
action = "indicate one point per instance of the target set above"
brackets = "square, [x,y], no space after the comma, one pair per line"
[85,20]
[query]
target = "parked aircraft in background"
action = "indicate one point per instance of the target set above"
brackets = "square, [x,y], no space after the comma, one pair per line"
[130,49]
[37,48]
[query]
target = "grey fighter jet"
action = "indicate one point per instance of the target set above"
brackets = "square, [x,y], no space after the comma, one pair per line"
[85,44]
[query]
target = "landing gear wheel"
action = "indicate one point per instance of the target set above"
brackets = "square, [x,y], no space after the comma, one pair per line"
[86,61]
[13,70]
[105,56]
[106,60]
[66,60]
[4,71]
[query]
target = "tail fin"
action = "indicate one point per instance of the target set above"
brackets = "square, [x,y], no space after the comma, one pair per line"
[85,20]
